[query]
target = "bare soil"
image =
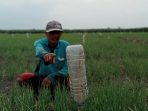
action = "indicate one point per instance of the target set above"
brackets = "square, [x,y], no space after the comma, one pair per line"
[6,86]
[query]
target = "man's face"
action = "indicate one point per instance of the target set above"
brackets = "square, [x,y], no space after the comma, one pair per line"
[53,37]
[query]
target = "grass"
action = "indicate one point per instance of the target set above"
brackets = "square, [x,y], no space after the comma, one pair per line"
[116,70]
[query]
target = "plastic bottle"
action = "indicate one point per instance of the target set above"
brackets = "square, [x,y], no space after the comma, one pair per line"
[77,73]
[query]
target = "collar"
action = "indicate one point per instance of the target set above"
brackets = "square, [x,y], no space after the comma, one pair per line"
[58,45]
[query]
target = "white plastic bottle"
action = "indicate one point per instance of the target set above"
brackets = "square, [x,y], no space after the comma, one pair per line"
[77,73]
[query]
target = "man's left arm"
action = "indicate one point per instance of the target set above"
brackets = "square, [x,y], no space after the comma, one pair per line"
[61,73]
[64,71]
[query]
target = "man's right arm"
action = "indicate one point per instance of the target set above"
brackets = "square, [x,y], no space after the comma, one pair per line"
[42,54]
[39,49]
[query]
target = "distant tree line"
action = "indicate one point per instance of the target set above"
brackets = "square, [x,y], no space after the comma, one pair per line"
[81,30]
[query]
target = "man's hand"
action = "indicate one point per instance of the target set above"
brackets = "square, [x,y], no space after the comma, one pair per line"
[49,58]
[46,82]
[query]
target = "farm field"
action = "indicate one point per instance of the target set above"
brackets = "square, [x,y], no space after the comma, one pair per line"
[117,72]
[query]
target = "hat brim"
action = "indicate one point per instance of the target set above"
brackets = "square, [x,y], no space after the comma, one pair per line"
[54,30]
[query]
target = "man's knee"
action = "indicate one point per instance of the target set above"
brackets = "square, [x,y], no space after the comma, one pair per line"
[46,82]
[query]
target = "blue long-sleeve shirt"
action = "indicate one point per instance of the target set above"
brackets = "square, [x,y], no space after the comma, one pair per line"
[51,70]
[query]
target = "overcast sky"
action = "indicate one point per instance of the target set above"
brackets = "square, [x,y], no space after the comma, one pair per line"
[73,14]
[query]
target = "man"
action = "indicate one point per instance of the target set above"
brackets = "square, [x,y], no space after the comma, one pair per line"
[52,68]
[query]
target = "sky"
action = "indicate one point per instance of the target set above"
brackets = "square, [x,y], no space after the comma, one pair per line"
[73,14]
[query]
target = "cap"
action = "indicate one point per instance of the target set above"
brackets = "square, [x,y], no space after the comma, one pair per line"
[54,26]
